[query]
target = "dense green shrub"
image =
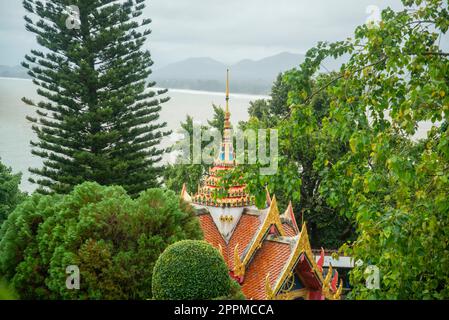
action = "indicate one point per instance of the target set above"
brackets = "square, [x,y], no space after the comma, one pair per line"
[113,239]
[191,269]
[10,194]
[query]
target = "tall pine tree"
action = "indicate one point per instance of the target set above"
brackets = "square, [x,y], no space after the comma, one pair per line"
[99,120]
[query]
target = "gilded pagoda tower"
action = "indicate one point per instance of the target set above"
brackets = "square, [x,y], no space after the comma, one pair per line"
[266,252]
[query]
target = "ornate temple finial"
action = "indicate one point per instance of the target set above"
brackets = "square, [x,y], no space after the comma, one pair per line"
[267,195]
[227,124]
[329,289]
[334,281]
[269,294]
[337,294]
[239,267]
[320,261]
[226,155]
[227,90]
[184,194]
[327,279]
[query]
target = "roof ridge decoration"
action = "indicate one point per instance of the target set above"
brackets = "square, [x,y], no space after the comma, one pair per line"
[334,281]
[327,279]
[239,268]
[289,216]
[267,195]
[268,290]
[304,245]
[184,194]
[320,262]
[329,285]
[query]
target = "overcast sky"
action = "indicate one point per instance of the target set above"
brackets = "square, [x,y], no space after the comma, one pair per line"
[226,30]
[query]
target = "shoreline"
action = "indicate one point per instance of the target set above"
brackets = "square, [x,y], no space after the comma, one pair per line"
[13,78]
[188,91]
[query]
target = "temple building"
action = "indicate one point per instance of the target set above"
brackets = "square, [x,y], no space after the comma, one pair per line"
[266,251]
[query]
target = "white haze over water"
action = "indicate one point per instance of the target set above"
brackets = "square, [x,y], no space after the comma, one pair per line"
[16,133]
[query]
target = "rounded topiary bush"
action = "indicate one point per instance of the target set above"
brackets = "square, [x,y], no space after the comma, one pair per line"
[190,269]
[114,239]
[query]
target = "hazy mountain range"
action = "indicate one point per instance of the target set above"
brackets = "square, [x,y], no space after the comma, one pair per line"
[247,76]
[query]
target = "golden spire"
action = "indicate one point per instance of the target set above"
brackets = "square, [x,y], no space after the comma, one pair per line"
[227,124]
[227,91]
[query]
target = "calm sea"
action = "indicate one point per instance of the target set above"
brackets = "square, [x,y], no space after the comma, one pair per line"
[16,133]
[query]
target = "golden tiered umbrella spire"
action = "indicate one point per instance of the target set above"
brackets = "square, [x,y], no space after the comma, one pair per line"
[227,123]
[236,195]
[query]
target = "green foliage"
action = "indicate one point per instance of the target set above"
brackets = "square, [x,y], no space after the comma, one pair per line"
[266,113]
[367,163]
[396,188]
[177,174]
[99,119]
[303,149]
[6,292]
[10,194]
[235,292]
[113,239]
[180,172]
[192,269]
[279,96]
[259,109]
[218,119]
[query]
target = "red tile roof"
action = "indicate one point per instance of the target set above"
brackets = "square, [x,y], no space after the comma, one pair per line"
[212,235]
[270,258]
[289,230]
[243,234]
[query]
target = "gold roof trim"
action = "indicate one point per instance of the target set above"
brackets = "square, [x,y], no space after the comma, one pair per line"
[289,217]
[269,294]
[272,218]
[327,291]
[220,249]
[302,246]
[184,194]
[294,294]
[227,91]
[239,267]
